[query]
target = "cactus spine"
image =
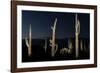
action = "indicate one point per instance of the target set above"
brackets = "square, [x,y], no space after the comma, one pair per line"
[77,32]
[29,42]
[53,45]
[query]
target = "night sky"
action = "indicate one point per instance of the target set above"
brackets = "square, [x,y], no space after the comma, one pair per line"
[41,23]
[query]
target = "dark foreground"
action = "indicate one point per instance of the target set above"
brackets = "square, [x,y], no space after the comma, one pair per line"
[39,53]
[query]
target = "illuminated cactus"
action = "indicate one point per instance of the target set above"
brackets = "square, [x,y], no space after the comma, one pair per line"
[53,45]
[81,45]
[67,50]
[29,42]
[64,51]
[77,32]
[84,46]
[45,45]
[70,46]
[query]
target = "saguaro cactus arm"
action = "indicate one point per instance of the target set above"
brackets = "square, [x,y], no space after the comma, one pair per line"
[56,48]
[55,24]
[51,27]
[27,43]
[77,25]
[50,40]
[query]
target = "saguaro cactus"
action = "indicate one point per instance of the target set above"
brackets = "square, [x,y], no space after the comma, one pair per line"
[53,45]
[84,45]
[45,45]
[81,45]
[70,45]
[77,32]
[29,42]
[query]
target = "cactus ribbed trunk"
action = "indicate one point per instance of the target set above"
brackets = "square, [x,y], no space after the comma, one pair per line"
[76,39]
[77,32]
[29,42]
[53,45]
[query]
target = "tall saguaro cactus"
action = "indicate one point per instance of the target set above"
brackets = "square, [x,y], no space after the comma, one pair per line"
[77,32]
[53,45]
[29,42]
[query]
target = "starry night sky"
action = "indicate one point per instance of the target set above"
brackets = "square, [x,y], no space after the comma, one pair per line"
[41,22]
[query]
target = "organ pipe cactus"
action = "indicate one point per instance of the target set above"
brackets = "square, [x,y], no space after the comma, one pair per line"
[53,45]
[77,32]
[29,42]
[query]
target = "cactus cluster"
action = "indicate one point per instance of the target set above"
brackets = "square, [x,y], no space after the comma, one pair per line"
[53,45]
[65,51]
